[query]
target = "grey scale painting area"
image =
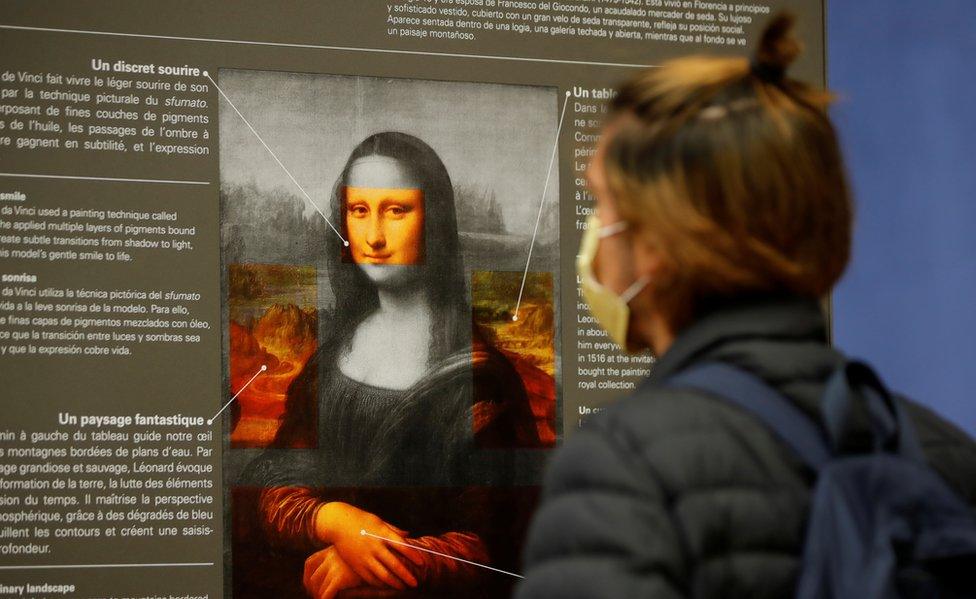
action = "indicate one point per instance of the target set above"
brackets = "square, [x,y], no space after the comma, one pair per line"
[411,455]
[495,141]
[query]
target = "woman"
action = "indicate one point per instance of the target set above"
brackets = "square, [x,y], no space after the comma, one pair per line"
[723,216]
[401,395]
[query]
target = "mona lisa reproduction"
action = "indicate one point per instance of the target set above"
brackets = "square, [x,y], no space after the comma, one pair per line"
[401,368]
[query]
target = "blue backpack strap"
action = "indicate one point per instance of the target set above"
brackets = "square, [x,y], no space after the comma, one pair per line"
[856,386]
[752,394]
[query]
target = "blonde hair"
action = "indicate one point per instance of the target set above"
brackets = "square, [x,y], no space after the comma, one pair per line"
[733,172]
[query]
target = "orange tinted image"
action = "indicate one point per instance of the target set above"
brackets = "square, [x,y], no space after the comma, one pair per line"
[273,323]
[528,343]
[385,225]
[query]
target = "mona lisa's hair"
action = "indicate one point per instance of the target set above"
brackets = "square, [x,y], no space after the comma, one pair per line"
[732,170]
[442,272]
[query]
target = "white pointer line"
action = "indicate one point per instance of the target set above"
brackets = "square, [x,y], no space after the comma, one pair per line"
[275,156]
[366,534]
[75,566]
[324,47]
[542,203]
[40,176]
[239,391]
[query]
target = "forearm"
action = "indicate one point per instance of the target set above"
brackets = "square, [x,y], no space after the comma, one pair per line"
[438,571]
[288,515]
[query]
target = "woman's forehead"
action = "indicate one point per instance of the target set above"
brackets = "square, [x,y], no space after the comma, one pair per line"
[380,194]
[380,172]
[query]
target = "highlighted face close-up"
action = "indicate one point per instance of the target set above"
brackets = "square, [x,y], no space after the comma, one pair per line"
[384,216]
[385,225]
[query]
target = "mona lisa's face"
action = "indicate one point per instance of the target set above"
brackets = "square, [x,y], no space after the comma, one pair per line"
[384,217]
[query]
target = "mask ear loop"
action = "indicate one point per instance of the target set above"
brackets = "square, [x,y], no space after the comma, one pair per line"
[634,289]
[612,229]
[637,286]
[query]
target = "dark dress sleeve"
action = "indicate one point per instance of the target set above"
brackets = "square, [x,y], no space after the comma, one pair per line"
[287,512]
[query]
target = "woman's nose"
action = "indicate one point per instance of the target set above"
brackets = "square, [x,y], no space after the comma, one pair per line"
[375,236]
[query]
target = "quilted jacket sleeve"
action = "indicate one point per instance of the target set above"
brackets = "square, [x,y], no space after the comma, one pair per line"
[603,529]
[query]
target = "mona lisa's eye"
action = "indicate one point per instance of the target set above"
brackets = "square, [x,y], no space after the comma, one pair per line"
[397,211]
[358,211]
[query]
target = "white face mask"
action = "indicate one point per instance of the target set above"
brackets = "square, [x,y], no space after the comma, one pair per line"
[610,310]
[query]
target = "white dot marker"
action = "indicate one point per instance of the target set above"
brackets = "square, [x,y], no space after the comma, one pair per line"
[206,74]
[264,367]
[514,318]
[209,422]
[362,532]
[345,243]
[568,93]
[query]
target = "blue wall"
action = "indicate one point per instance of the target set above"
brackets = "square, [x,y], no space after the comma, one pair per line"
[906,73]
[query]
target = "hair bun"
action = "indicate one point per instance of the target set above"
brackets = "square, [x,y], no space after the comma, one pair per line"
[778,47]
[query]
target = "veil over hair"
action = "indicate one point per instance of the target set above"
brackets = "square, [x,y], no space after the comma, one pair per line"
[442,274]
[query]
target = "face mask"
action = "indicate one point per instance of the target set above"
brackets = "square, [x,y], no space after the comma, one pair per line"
[610,310]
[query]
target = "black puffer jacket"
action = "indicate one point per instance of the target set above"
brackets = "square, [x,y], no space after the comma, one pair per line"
[673,493]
